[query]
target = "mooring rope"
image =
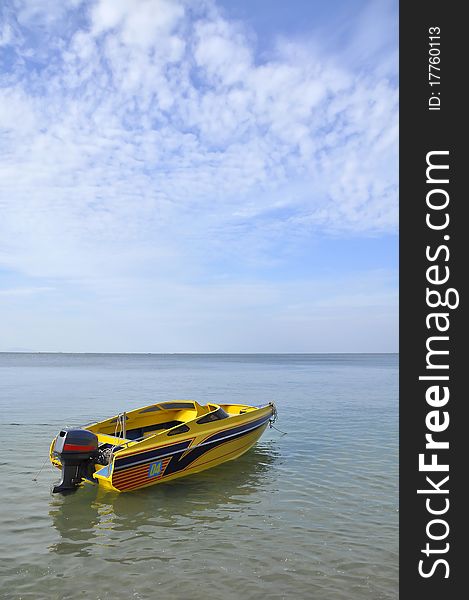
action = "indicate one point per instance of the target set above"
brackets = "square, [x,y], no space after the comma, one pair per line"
[39,472]
[274,418]
[120,431]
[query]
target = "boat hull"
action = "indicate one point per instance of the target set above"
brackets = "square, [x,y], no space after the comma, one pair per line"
[182,458]
[178,438]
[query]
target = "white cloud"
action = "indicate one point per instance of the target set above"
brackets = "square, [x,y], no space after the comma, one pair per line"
[138,114]
[6,34]
[24,291]
[147,136]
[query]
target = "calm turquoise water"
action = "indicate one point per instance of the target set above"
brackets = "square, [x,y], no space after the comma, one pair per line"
[311,514]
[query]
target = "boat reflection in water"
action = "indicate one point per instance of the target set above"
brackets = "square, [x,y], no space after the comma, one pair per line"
[97,517]
[75,520]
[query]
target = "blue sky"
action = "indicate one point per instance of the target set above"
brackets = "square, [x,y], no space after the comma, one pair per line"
[198,176]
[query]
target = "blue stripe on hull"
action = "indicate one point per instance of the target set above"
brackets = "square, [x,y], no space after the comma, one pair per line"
[176,464]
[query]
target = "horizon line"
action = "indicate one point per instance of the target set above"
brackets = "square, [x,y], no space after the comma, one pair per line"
[182,353]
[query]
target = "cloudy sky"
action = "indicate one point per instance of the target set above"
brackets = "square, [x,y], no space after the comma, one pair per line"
[198,176]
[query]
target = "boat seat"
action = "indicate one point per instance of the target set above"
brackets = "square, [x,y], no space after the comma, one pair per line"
[139,432]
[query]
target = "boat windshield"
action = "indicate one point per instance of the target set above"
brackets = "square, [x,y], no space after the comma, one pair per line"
[214,416]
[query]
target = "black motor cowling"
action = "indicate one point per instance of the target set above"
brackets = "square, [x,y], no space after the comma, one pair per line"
[77,450]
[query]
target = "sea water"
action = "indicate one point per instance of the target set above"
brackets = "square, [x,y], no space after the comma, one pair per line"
[309,514]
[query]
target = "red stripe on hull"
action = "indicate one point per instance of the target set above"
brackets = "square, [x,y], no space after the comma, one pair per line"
[140,474]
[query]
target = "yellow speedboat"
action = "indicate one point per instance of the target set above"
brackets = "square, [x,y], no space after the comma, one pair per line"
[157,443]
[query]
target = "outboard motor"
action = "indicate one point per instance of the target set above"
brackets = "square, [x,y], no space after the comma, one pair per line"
[77,450]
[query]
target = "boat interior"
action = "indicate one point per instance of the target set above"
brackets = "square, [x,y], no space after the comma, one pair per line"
[166,417]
